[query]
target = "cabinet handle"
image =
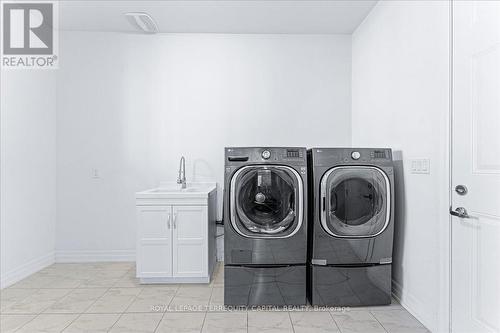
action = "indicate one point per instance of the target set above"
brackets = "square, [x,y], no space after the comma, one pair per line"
[168,220]
[175,220]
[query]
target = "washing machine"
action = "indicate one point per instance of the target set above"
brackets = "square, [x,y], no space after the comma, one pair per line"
[265,226]
[351,195]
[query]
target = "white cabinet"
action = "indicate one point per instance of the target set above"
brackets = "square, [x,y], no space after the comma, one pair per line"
[154,248]
[175,239]
[189,241]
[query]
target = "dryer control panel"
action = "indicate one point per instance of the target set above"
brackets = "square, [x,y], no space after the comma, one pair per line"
[376,154]
[328,156]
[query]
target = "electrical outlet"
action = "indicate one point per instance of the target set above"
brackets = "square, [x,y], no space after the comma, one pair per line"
[420,166]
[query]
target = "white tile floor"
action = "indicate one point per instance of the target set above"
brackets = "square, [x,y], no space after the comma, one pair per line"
[106,297]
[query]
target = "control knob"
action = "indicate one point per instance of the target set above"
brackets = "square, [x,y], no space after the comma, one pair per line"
[355,155]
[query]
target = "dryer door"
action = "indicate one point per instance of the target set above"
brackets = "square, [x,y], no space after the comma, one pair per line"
[266,201]
[355,201]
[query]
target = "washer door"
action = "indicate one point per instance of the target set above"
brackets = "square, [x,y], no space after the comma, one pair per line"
[355,201]
[266,201]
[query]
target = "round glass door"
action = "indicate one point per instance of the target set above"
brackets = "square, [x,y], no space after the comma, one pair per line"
[266,201]
[355,201]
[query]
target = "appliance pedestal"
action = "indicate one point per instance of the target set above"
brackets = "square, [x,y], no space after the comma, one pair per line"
[350,285]
[282,285]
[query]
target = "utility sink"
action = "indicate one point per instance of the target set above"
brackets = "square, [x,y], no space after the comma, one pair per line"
[167,216]
[174,190]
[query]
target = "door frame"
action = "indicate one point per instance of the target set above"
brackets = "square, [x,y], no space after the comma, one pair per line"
[445,320]
[445,241]
[445,195]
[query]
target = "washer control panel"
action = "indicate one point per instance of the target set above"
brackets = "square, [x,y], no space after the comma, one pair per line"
[266,154]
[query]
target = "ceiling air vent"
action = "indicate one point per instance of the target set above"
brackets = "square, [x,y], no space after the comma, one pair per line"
[142,22]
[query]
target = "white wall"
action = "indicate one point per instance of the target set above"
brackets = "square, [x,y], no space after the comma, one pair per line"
[400,94]
[131,105]
[28,172]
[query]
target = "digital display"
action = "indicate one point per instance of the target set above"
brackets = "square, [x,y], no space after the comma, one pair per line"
[293,153]
[378,154]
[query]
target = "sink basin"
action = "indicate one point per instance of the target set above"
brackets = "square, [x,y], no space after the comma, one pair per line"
[190,189]
[174,190]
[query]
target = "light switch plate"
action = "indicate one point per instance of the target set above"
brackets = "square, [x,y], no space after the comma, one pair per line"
[95,174]
[420,166]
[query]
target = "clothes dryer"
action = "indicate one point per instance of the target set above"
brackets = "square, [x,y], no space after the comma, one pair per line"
[351,195]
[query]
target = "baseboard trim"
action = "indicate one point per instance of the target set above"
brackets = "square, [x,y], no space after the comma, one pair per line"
[27,269]
[413,305]
[158,280]
[94,256]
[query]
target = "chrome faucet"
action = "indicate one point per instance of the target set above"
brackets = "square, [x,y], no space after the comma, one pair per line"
[182,172]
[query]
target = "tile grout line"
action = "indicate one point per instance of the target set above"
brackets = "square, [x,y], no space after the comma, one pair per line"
[168,306]
[83,311]
[179,311]
[402,310]
[378,321]
[291,321]
[210,299]
[135,299]
[117,320]
[97,299]
[334,321]
[78,315]
[203,324]
[208,306]
[114,323]
[26,323]
[121,278]
[71,322]
[67,296]
[123,312]
[411,315]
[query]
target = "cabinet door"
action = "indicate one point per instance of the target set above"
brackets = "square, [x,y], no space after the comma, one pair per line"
[154,248]
[190,257]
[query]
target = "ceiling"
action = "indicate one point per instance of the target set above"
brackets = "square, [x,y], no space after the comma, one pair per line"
[223,16]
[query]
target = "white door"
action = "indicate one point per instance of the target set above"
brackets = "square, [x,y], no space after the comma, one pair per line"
[476,165]
[190,247]
[154,248]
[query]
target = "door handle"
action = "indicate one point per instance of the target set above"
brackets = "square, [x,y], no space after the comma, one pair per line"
[168,220]
[175,220]
[460,212]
